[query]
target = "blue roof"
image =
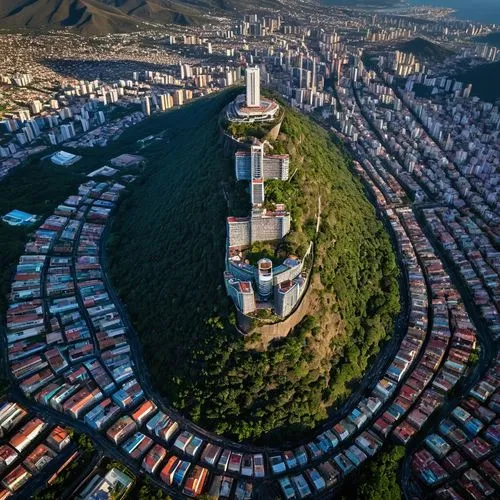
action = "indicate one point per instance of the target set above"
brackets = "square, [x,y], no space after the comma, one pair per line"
[19,214]
[279,269]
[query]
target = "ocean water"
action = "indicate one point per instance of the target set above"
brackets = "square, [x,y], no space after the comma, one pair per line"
[480,11]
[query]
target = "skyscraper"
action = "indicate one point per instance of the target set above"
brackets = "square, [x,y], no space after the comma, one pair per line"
[313,83]
[166,102]
[36,107]
[146,106]
[253,87]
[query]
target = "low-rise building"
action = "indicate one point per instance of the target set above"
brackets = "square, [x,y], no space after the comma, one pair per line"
[121,429]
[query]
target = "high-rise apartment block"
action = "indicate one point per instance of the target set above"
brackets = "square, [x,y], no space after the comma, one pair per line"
[178,97]
[166,102]
[253,87]
[255,163]
[286,296]
[67,131]
[263,225]
[36,107]
[241,292]
[146,105]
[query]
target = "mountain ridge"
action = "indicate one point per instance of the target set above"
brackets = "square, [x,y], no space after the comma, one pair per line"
[111,16]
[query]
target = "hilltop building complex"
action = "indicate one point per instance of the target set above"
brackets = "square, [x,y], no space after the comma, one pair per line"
[264,285]
[252,107]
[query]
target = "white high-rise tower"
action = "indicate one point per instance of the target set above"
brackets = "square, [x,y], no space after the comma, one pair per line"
[253,87]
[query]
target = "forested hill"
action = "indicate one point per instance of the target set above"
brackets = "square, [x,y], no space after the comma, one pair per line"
[425,49]
[167,255]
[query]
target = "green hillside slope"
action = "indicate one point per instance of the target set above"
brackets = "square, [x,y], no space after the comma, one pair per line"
[167,257]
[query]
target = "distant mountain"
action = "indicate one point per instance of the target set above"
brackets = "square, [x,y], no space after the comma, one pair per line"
[425,50]
[112,16]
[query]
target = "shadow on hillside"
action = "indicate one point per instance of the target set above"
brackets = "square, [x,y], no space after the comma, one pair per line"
[105,70]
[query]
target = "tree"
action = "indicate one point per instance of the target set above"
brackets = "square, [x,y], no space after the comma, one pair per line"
[167,261]
[379,481]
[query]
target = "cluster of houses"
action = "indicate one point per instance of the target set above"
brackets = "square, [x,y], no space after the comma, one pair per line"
[28,444]
[450,159]
[462,453]
[449,339]
[466,440]
[475,257]
[459,459]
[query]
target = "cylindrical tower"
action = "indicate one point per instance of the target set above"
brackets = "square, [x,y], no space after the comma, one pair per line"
[265,278]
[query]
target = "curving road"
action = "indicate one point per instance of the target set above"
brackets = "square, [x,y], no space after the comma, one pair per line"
[364,386]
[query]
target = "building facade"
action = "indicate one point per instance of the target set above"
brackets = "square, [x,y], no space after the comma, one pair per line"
[256,164]
[263,225]
[253,87]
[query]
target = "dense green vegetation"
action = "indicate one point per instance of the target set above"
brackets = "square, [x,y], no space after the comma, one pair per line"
[167,258]
[379,479]
[11,245]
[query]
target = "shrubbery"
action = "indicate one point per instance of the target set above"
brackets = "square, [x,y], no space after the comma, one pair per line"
[379,480]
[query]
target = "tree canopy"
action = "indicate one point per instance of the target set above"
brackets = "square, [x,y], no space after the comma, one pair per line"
[167,259]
